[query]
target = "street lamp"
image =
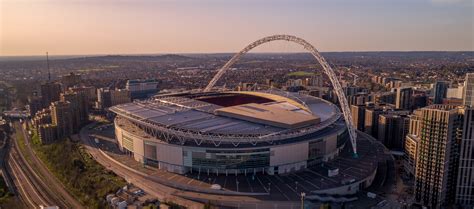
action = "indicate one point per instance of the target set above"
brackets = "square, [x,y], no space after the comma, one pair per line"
[302,199]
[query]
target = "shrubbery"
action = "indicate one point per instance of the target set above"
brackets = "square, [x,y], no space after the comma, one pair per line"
[83,177]
[4,193]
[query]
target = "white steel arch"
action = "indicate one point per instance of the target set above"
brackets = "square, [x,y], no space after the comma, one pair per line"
[326,67]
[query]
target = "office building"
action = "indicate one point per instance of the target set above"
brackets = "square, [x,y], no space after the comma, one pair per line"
[465,180]
[403,98]
[438,155]
[468,96]
[50,92]
[107,98]
[440,89]
[141,89]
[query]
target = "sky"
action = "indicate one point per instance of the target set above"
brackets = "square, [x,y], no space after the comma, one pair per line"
[84,27]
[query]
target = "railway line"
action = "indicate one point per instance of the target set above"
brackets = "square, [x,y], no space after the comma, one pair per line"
[36,185]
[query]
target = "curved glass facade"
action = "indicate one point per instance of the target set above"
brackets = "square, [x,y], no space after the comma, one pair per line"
[230,159]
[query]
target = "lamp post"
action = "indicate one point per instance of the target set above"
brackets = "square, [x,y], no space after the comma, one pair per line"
[302,199]
[237,182]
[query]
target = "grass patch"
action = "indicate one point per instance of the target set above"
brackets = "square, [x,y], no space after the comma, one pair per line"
[300,74]
[82,176]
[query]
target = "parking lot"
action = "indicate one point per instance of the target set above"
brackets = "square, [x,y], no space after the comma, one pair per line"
[280,187]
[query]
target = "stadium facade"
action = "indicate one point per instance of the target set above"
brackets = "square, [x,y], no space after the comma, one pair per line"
[231,132]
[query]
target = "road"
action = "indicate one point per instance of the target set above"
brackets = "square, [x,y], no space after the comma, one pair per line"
[43,186]
[162,192]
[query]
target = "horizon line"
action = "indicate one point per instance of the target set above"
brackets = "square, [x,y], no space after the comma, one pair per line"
[185,53]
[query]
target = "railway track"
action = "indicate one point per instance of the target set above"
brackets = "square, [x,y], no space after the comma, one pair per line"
[34,184]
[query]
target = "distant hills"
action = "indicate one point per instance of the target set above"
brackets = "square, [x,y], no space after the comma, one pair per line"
[191,56]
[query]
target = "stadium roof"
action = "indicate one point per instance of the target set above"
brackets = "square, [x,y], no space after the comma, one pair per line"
[186,112]
[273,114]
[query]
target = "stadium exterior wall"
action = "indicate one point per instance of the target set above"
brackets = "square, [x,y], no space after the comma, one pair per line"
[271,159]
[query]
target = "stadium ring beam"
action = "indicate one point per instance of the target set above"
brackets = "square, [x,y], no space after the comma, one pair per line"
[326,68]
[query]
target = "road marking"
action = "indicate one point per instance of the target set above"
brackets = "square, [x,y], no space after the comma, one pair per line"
[262,184]
[191,180]
[278,188]
[251,189]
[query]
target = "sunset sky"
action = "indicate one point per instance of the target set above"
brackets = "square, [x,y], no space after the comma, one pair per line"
[80,27]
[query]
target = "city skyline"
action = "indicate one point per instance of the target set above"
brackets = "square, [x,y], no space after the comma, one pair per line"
[158,104]
[83,27]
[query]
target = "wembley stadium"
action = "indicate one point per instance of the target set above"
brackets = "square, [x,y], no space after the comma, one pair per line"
[249,142]
[231,132]
[247,133]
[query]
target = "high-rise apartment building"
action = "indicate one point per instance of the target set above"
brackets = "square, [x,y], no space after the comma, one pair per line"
[465,180]
[358,116]
[62,118]
[372,120]
[89,91]
[468,95]
[456,92]
[412,141]
[392,129]
[79,108]
[50,92]
[70,80]
[35,104]
[47,133]
[385,97]
[403,98]
[438,155]
[359,98]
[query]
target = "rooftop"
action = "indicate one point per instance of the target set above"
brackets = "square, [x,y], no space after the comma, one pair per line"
[194,112]
[273,114]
